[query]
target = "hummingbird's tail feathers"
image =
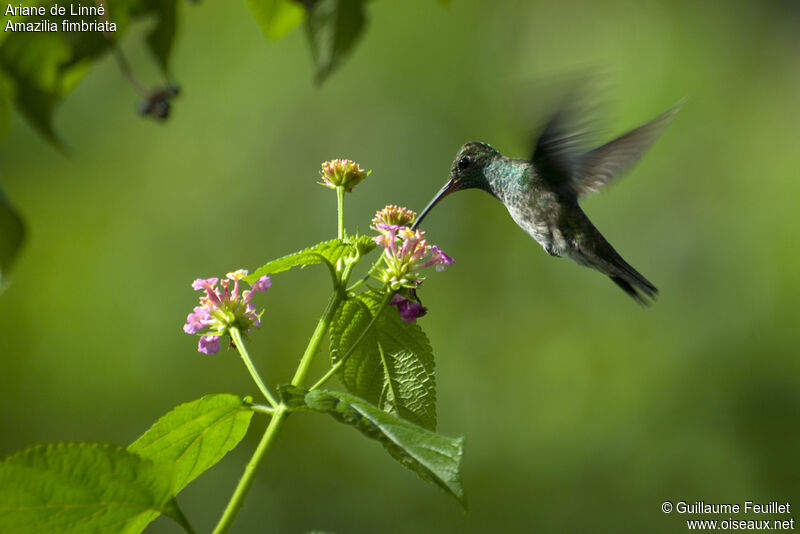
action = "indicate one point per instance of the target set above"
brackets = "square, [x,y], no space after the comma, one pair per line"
[596,168]
[630,280]
[649,291]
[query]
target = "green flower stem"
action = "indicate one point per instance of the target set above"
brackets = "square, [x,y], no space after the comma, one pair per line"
[279,412]
[316,338]
[236,336]
[340,212]
[371,271]
[262,409]
[354,346]
[237,499]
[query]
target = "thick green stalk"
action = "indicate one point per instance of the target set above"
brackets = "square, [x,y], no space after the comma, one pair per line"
[340,212]
[316,338]
[281,411]
[246,482]
[236,336]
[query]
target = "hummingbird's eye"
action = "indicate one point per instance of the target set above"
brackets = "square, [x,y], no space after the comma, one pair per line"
[463,163]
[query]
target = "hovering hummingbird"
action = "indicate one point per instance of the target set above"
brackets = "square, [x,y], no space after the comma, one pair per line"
[541,193]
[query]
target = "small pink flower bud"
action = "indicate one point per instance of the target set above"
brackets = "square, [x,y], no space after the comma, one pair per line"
[342,173]
[393,216]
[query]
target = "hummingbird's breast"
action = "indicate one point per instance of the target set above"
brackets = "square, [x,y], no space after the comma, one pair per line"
[539,219]
[536,208]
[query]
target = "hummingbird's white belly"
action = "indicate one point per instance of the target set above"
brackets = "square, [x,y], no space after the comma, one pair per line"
[550,238]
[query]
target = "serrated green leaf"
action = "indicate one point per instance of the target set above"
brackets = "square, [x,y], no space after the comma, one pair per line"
[82,488]
[196,435]
[433,457]
[392,366]
[12,234]
[327,252]
[333,27]
[277,17]
[362,373]
[410,387]
[364,244]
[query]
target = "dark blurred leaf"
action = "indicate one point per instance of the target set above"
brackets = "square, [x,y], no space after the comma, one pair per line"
[392,366]
[77,488]
[195,435]
[162,36]
[5,104]
[333,27]
[433,457]
[43,67]
[12,233]
[326,252]
[277,17]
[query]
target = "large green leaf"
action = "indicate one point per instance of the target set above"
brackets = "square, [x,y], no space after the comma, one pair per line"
[196,435]
[392,366]
[327,252]
[83,488]
[12,233]
[333,27]
[433,457]
[410,387]
[362,373]
[277,17]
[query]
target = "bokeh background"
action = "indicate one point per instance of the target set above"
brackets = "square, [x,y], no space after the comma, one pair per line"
[582,411]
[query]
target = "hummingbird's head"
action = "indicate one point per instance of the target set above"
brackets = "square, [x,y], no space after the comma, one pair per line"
[467,172]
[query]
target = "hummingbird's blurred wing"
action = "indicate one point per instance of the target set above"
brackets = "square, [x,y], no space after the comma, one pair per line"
[597,167]
[560,146]
[560,155]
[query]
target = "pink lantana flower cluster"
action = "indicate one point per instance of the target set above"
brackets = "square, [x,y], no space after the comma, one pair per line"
[222,308]
[342,173]
[405,253]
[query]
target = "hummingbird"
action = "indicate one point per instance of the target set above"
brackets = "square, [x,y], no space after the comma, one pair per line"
[541,193]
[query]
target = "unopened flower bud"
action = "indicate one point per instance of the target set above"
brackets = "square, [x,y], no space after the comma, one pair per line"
[342,173]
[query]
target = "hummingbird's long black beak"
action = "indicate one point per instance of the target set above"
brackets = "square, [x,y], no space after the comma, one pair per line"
[448,188]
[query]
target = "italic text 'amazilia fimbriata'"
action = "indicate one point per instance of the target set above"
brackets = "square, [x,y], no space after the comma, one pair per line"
[541,193]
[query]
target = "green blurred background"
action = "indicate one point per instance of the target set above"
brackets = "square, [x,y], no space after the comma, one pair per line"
[582,411]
